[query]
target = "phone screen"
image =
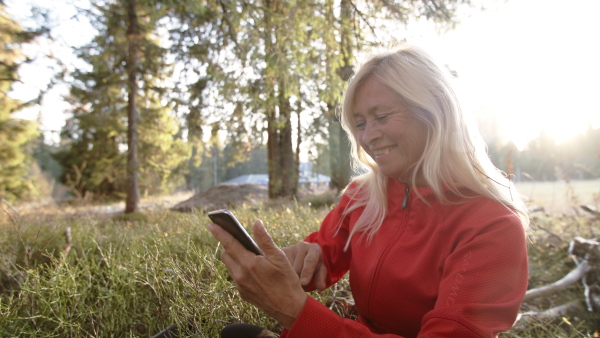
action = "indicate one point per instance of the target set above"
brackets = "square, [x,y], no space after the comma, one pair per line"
[226,220]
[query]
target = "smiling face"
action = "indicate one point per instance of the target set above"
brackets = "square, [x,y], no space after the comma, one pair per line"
[387,130]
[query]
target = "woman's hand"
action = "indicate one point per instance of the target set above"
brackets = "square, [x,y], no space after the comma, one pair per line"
[269,282]
[307,260]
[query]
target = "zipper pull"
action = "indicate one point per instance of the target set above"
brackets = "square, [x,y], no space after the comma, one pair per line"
[405,201]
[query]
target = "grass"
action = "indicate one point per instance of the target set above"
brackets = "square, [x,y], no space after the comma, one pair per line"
[133,276]
[126,278]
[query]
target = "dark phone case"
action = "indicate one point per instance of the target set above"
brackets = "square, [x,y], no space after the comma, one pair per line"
[226,220]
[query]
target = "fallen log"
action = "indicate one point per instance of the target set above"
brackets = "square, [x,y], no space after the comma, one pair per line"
[585,253]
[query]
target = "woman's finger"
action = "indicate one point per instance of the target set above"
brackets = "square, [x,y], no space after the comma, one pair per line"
[264,240]
[312,262]
[298,262]
[320,279]
[291,254]
[232,265]
[233,247]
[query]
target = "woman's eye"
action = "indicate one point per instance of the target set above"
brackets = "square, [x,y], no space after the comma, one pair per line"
[382,117]
[360,125]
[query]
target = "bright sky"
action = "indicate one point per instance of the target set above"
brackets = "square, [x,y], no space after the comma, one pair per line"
[524,66]
[534,64]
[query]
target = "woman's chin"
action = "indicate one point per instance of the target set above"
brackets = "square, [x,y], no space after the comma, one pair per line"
[392,174]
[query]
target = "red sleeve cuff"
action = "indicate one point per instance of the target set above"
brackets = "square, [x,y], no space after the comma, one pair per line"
[315,320]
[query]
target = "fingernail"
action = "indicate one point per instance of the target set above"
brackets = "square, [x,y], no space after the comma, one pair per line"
[261,227]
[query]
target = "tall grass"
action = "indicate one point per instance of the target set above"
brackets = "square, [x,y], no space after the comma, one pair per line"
[126,278]
[132,277]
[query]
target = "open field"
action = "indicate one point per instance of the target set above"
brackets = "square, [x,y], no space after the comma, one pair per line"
[559,197]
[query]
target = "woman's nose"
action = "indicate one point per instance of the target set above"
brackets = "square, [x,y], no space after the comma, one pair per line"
[371,133]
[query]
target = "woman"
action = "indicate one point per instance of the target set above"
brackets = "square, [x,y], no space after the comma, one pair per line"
[433,234]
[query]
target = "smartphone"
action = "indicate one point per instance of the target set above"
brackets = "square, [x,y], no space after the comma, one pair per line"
[226,220]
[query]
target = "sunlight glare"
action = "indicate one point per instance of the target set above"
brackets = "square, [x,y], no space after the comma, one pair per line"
[533,63]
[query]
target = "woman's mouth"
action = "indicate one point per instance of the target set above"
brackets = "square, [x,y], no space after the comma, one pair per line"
[384,151]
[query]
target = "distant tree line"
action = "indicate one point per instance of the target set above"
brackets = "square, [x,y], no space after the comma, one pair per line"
[543,159]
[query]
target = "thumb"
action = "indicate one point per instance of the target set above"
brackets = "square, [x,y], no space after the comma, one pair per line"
[264,240]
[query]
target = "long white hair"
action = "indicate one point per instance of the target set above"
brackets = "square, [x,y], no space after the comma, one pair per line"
[455,155]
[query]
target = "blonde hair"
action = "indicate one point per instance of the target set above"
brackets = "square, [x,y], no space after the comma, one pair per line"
[455,155]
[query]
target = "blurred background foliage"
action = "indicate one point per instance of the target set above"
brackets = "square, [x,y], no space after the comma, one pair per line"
[222,89]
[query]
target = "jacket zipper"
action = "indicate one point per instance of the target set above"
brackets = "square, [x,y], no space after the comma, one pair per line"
[405,201]
[384,255]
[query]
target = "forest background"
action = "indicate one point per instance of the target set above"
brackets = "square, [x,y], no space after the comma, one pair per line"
[176,96]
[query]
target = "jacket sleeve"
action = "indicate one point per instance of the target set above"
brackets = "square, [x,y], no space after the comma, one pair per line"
[484,279]
[317,320]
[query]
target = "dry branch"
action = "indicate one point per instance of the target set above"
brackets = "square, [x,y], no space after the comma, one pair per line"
[591,210]
[14,215]
[66,251]
[572,277]
[586,249]
[68,240]
[555,312]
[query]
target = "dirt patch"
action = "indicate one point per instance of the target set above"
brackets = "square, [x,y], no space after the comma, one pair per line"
[225,196]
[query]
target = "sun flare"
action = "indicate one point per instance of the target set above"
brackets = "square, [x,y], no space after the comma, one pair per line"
[525,73]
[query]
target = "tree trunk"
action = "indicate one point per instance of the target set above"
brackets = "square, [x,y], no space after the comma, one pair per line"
[298,142]
[273,155]
[288,170]
[341,169]
[339,147]
[133,38]
[282,174]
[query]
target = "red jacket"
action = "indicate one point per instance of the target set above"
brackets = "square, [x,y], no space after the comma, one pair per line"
[437,270]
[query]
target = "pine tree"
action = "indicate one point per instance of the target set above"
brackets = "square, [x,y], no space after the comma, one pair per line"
[121,97]
[15,134]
